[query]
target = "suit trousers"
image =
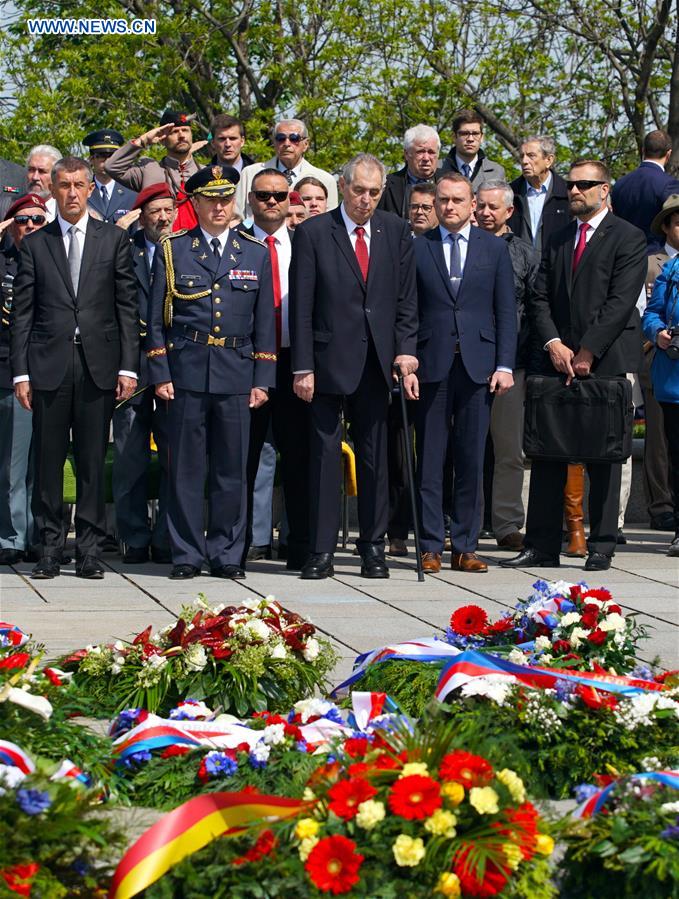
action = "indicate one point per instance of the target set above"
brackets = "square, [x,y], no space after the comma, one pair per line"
[262,496]
[468,404]
[289,418]
[506,429]
[545,506]
[208,436]
[133,425]
[80,408]
[16,474]
[657,486]
[367,410]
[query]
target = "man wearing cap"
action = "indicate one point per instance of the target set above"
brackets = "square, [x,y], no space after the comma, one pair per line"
[25,215]
[211,349]
[297,211]
[109,199]
[143,414]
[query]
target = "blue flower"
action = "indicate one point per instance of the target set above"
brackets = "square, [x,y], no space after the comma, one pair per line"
[670,833]
[567,606]
[642,672]
[564,690]
[218,764]
[300,746]
[126,720]
[81,867]
[541,586]
[334,714]
[33,802]
[584,791]
[137,758]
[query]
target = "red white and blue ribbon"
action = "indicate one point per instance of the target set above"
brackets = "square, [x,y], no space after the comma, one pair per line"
[11,635]
[13,756]
[67,770]
[368,706]
[593,805]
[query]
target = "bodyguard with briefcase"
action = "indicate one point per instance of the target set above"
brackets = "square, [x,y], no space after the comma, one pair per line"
[578,407]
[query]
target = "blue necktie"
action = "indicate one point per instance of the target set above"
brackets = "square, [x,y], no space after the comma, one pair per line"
[466,170]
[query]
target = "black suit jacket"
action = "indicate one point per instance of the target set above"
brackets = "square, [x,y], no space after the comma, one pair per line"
[47,311]
[394,197]
[595,307]
[555,214]
[334,313]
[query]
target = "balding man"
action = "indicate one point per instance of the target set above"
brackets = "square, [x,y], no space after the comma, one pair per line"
[290,142]
[421,148]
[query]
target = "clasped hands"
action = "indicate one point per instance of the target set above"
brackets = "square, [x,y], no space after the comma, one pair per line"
[574,365]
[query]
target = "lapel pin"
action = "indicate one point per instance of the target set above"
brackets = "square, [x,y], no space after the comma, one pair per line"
[195,243]
[232,258]
[204,256]
[235,244]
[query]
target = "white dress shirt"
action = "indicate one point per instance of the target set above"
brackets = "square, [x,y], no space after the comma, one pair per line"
[222,238]
[351,227]
[284,253]
[107,187]
[535,197]
[295,173]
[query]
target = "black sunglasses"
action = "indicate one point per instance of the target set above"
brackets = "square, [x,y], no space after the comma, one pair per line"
[295,138]
[582,185]
[36,219]
[265,195]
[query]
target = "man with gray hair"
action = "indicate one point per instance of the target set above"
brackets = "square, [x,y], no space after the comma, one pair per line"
[290,142]
[421,148]
[353,314]
[540,195]
[39,163]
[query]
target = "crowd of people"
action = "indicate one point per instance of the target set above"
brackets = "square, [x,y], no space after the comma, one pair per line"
[245,317]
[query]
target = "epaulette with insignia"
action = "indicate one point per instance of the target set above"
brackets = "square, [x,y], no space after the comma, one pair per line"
[174,234]
[250,237]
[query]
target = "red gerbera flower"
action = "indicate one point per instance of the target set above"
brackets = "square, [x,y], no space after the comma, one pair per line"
[520,826]
[333,865]
[469,620]
[465,768]
[492,882]
[356,746]
[386,762]
[501,626]
[601,594]
[358,769]
[18,878]
[347,795]
[415,797]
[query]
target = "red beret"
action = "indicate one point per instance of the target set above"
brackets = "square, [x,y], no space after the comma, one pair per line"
[25,202]
[159,191]
[295,198]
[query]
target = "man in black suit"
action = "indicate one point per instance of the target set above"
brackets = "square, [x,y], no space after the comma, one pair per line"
[74,351]
[353,314]
[583,312]
[421,148]
[540,196]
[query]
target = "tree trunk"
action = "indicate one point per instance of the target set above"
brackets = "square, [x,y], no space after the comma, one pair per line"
[673,114]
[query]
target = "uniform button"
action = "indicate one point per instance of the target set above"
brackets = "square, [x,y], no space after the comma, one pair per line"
[216,329]
[367,310]
[246,286]
[170,346]
[218,300]
[190,283]
[218,314]
[216,286]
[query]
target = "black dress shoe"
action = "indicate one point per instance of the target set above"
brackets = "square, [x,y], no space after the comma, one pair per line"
[11,556]
[597,562]
[47,567]
[184,572]
[317,567]
[531,558]
[136,555]
[373,563]
[257,553]
[89,567]
[486,534]
[161,556]
[229,572]
[621,540]
[664,522]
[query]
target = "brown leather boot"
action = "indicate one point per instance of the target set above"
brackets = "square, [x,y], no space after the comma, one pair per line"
[573,496]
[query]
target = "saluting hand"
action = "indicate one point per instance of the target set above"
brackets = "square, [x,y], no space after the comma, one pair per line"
[128,219]
[155,134]
[197,145]
[258,397]
[165,391]
[126,387]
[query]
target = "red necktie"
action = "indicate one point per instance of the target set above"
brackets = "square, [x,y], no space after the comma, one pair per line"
[582,243]
[276,277]
[362,252]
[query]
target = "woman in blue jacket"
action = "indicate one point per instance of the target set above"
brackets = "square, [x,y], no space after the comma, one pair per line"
[660,322]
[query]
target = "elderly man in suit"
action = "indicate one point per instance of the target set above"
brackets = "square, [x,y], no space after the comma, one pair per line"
[466,346]
[74,351]
[353,314]
[583,312]
[291,142]
[466,156]
[421,148]
[540,197]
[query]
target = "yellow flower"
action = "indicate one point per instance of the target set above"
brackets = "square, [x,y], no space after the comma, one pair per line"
[441,824]
[512,854]
[408,852]
[453,791]
[544,844]
[449,885]
[369,814]
[414,768]
[513,783]
[306,846]
[306,827]
[484,800]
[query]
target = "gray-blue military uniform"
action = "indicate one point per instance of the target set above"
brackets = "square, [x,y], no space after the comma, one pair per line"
[113,200]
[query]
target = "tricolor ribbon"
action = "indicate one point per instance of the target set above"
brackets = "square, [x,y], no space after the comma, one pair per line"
[368,706]
[11,635]
[67,770]
[190,827]
[14,756]
[596,801]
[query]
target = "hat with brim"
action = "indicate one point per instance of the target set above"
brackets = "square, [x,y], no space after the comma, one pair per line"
[104,140]
[213,181]
[670,205]
[158,191]
[28,201]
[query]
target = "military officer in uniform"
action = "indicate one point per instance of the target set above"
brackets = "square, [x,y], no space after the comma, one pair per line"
[211,350]
[109,199]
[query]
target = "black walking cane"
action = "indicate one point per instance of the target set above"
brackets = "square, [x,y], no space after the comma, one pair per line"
[411,471]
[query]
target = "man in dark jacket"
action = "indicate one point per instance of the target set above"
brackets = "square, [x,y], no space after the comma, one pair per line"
[466,155]
[421,148]
[540,196]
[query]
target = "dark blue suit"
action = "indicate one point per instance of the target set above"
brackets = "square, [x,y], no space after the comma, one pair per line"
[461,342]
[121,201]
[638,197]
[133,424]
[229,300]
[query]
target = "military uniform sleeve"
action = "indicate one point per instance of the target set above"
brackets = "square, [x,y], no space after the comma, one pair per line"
[22,320]
[156,351]
[127,308]
[301,291]
[122,165]
[264,333]
[405,329]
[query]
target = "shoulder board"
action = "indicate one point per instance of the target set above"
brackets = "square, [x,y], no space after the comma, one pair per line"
[174,234]
[250,237]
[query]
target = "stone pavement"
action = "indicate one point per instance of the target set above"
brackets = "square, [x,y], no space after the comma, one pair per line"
[357,613]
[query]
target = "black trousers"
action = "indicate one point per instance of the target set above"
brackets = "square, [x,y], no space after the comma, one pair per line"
[79,407]
[367,411]
[671,424]
[289,418]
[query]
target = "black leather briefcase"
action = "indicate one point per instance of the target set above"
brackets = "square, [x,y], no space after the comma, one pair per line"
[588,421]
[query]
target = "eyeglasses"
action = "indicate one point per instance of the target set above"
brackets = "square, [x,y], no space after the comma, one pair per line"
[583,185]
[294,137]
[24,219]
[469,133]
[265,195]
[425,207]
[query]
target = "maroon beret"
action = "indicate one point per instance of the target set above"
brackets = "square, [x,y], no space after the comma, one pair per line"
[25,202]
[295,198]
[159,191]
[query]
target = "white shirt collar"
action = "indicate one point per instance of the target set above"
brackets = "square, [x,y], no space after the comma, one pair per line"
[295,171]
[595,221]
[281,234]
[150,246]
[459,162]
[656,162]
[107,187]
[81,224]
[463,232]
[222,238]
[351,225]
[670,251]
